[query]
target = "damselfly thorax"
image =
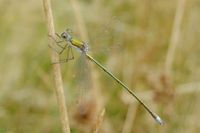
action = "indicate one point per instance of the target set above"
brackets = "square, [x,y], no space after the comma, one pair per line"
[74,42]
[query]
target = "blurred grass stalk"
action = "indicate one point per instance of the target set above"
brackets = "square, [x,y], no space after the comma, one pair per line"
[56,69]
[132,107]
[167,69]
[79,20]
[94,75]
[174,36]
[99,121]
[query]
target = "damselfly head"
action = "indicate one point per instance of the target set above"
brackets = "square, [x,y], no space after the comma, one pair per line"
[66,35]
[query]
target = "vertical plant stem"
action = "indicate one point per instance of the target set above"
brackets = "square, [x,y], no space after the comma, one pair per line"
[130,116]
[56,70]
[99,121]
[132,107]
[174,36]
[79,19]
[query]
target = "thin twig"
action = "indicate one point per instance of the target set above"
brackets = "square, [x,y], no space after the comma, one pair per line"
[56,70]
[174,36]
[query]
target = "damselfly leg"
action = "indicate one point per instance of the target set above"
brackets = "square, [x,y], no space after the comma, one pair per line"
[69,56]
[58,43]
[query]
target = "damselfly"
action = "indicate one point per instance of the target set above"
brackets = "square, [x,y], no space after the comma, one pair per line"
[81,46]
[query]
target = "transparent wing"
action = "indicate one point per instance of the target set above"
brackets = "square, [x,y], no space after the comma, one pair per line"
[107,37]
[83,77]
[83,86]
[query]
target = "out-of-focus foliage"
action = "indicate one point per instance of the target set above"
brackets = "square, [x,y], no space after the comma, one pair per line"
[129,37]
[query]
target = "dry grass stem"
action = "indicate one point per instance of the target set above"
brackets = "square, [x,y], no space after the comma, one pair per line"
[79,20]
[174,36]
[132,108]
[56,70]
[130,116]
[99,121]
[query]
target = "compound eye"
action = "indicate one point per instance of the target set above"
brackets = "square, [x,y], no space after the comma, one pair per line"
[63,35]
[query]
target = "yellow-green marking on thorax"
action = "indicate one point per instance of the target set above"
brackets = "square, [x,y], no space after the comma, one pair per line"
[77,43]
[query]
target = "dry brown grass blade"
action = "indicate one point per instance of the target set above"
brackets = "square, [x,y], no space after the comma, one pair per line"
[174,36]
[130,116]
[99,121]
[56,70]
[165,92]
[79,19]
[132,107]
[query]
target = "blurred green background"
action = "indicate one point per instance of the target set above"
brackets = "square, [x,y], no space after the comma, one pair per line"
[131,38]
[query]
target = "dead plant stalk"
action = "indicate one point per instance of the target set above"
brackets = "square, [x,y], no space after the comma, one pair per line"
[56,70]
[174,36]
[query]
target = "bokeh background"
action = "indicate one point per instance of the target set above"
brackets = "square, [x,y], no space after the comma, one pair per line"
[151,45]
